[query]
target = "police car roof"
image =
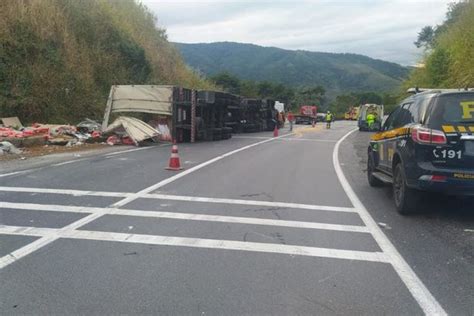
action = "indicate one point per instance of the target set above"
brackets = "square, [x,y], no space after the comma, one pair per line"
[418,91]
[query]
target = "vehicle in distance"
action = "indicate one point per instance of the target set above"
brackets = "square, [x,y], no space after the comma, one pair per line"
[306,115]
[426,144]
[352,114]
[364,110]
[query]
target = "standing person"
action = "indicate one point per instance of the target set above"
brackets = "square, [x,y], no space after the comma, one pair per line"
[280,120]
[328,119]
[370,120]
[290,120]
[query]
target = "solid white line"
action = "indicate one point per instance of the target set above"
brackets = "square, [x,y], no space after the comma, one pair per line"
[188,171]
[43,241]
[249,202]
[10,174]
[416,287]
[126,151]
[252,137]
[18,172]
[197,243]
[67,162]
[65,191]
[183,198]
[183,216]
[25,250]
[310,140]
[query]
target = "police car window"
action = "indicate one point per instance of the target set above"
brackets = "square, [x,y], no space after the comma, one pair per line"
[404,116]
[389,122]
[414,111]
[422,107]
[453,109]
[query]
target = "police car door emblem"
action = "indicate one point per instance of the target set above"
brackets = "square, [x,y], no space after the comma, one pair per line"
[402,143]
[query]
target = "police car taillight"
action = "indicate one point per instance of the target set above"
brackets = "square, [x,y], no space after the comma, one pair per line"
[428,136]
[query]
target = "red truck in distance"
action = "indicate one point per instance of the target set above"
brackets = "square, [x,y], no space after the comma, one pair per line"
[307,114]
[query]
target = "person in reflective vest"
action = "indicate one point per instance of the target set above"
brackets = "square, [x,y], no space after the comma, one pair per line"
[370,120]
[328,119]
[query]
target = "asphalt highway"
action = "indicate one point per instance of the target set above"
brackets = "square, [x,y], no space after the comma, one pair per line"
[251,225]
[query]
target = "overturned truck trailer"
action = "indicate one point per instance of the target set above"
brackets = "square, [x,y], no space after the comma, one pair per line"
[192,115]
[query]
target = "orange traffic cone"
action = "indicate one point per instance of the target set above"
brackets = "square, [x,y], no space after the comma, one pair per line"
[275,131]
[174,163]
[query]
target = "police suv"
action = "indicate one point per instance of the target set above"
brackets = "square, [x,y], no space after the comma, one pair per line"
[426,144]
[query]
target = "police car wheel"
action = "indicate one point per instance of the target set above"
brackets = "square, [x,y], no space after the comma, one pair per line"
[373,181]
[406,199]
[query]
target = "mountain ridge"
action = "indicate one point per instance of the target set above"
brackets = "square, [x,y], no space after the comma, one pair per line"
[336,72]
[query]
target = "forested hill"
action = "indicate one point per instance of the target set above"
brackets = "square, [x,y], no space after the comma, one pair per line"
[58,58]
[335,72]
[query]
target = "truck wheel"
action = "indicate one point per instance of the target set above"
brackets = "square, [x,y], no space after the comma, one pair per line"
[373,181]
[407,200]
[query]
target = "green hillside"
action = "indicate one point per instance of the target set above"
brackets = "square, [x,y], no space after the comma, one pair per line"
[58,58]
[335,72]
[449,47]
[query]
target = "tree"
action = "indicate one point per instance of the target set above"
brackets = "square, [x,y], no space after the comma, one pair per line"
[425,37]
[227,81]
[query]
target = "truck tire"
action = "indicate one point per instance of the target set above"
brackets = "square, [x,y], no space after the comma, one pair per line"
[407,200]
[373,181]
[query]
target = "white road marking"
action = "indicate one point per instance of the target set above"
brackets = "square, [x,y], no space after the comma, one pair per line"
[183,198]
[183,216]
[195,243]
[126,151]
[12,173]
[288,139]
[67,162]
[25,250]
[18,172]
[76,160]
[252,137]
[65,191]
[43,241]
[188,171]
[5,260]
[310,140]
[416,287]
[249,202]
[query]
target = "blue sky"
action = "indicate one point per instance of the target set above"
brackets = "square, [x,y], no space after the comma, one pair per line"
[379,29]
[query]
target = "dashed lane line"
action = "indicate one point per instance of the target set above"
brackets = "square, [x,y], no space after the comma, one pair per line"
[182,198]
[183,216]
[418,290]
[194,243]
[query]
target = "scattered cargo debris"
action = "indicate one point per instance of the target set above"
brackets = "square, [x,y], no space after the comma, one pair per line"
[129,131]
[88,126]
[12,122]
[8,148]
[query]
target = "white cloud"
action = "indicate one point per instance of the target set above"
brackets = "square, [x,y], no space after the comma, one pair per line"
[379,29]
